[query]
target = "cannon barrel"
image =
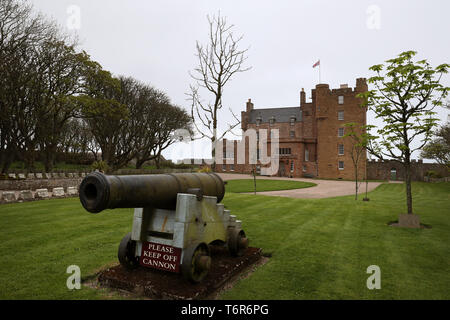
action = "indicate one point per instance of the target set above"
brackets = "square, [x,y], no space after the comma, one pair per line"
[99,192]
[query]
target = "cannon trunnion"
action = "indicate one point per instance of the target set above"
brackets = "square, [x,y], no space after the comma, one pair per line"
[176,218]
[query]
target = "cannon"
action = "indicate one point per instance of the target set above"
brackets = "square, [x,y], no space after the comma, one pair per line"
[176,218]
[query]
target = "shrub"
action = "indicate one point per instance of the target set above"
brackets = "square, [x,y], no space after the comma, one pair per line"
[101,166]
[204,169]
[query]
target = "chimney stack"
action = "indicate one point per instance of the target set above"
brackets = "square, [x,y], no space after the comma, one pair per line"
[249,105]
[302,97]
[361,85]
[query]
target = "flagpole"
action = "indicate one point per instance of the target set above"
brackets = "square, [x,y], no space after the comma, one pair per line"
[319,71]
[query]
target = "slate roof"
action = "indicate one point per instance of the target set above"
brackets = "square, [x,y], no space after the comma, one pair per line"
[280,114]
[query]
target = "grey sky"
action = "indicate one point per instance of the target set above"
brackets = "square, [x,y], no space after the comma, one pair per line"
[154,41]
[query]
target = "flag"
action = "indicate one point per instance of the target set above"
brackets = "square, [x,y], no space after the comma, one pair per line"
[316,64]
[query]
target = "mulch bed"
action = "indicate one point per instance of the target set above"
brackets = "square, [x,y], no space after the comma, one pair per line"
[156,284]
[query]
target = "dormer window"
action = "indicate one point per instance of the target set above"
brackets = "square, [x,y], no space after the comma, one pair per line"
[258,121]
[292,120]
[272,120]
[340,99]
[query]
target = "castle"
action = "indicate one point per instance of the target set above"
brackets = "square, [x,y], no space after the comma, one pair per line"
[311,136]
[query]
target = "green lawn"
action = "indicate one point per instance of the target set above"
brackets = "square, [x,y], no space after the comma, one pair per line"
[247,185]
[320,248]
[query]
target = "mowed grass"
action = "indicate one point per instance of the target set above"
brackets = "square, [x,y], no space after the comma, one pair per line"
[247,185]
[320,248]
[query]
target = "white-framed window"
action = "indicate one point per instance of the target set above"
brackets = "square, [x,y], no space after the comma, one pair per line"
[340,115]
[292,166]
[292,134]
[258,121]
[272,121]
[341,165]
[341,99]
[284,151]
[304,168]
[341,149]
[340,132]
[292,120]
[306,155]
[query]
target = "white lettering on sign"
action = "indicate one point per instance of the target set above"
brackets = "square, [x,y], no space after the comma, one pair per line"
[160,256]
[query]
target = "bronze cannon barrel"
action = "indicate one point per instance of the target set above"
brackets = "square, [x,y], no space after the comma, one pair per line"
[99,192]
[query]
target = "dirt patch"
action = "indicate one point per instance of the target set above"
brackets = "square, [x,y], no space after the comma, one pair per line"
[396,224]
[155,284]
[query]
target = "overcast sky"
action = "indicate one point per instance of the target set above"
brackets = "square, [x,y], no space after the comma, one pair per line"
[154,41]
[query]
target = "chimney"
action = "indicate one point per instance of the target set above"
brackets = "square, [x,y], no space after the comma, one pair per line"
[249,105]
[302,97]
[361,85]
[344,86]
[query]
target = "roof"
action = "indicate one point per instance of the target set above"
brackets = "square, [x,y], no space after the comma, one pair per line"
[280,114]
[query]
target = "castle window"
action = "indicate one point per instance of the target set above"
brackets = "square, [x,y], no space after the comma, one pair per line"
[340,115]
[341,150]
[258,121]
[284,151]
[229,154]
[341,99]
[292,120]
[341,165]
[340,132]
[292,134]
[304,168]
[272,120]
[292,166]
[306,155]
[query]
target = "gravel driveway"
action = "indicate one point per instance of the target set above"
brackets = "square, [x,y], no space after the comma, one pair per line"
[324,188]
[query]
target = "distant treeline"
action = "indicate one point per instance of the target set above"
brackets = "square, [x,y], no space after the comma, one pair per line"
[54,100]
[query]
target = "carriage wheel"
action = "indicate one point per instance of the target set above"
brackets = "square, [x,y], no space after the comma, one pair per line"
[237,242]
[196,262]
[126,254]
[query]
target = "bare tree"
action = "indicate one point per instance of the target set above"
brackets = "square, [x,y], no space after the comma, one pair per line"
[218,61]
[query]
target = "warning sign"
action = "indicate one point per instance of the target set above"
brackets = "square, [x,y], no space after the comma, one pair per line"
[160,256]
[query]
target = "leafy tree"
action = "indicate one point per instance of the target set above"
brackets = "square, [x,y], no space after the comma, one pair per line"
[360,138]
[406,93]
[21,32]
[439,148]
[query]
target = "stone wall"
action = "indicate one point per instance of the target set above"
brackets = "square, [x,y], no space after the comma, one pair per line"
[392,170]
[33,184]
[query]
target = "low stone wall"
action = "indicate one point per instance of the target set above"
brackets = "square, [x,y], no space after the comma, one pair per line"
[33,184]
[38,194]
[392,170]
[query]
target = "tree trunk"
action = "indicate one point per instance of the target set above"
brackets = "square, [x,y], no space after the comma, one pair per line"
[213,154]
[158,161]
[9,158]
[139,164]
[49,160]
[356,182]
[408,187]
